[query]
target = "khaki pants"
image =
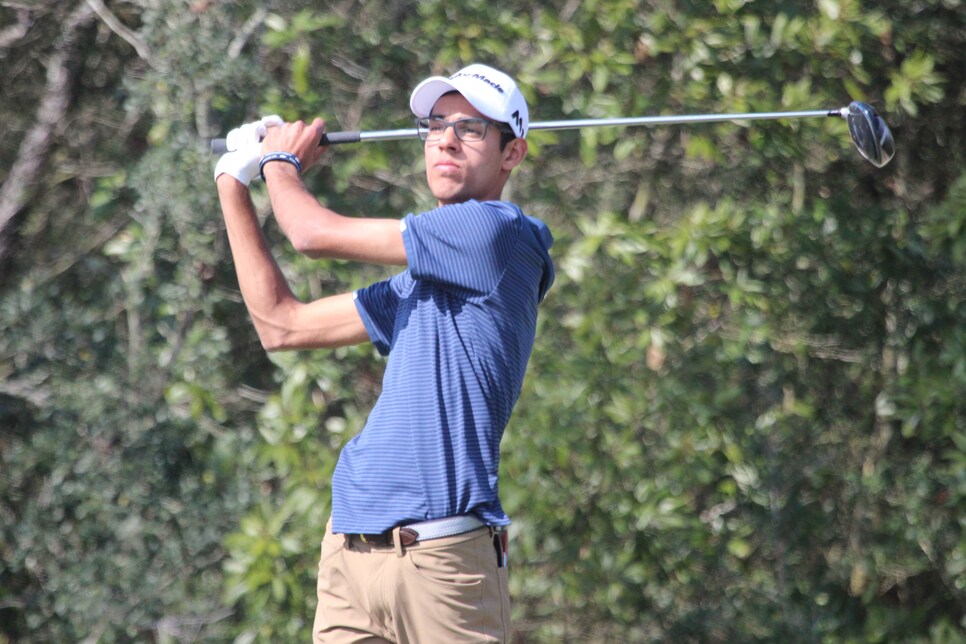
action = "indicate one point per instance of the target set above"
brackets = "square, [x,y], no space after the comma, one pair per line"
[443,590]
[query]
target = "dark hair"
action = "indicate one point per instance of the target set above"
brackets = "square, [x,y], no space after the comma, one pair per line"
[506,135]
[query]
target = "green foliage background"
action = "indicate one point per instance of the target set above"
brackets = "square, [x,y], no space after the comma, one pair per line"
[744,418]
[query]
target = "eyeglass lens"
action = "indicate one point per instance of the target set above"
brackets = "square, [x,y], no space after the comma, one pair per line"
[469,129]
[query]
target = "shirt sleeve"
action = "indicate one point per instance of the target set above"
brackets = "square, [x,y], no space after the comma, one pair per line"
[377,304]
[464,245]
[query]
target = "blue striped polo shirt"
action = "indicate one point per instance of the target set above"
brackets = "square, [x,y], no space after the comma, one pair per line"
[458,327]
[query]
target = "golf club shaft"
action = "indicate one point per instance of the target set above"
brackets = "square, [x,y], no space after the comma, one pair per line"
[338,138]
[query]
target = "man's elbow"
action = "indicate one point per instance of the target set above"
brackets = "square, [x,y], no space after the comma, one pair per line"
[307,245]
[311,241]
[272,341]
[274,336]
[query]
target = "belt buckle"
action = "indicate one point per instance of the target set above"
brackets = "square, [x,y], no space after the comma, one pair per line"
[363,539]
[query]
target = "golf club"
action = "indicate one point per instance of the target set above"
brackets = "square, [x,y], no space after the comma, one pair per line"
[869,132]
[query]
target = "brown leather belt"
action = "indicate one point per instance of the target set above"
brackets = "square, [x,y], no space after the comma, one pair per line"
[384,539]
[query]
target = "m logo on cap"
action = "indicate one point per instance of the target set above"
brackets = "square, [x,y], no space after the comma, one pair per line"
[519,121]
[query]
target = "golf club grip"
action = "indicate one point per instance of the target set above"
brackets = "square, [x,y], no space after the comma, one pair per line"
[220,146]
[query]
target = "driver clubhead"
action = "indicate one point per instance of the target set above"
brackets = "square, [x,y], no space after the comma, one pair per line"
[870,134]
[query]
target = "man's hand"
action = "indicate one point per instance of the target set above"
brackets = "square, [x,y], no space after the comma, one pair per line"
[297,138]
[245,149]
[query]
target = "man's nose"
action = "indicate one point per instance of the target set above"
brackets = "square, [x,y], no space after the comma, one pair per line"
[449,138]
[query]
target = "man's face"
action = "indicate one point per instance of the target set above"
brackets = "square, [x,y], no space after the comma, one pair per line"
[457,171]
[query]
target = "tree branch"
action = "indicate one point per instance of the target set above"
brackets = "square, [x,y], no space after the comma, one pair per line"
[10,35]
[250,27]
[115,25]
[28,390]
[35,148]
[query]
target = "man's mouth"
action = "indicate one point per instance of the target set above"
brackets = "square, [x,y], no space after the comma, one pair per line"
[446,166]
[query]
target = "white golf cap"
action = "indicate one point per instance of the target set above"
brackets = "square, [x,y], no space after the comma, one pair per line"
[494,94]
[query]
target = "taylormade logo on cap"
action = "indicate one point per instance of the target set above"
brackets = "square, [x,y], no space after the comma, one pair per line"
[479,77]
[494,94]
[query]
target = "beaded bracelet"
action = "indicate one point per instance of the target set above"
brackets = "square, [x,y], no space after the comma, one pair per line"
[279,156]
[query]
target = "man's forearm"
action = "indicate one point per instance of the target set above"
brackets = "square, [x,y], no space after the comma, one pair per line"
[261,280]
[299,214]
[317,231]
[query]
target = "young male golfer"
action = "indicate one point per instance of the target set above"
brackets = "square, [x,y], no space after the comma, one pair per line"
[416,545]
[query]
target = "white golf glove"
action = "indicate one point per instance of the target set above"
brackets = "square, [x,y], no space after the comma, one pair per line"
[245,149]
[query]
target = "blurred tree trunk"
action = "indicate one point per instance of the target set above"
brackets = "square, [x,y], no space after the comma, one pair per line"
[34,153]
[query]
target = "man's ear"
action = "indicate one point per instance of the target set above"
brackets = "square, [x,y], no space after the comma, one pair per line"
[514,153]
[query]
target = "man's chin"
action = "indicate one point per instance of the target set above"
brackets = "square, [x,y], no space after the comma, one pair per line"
[446,197]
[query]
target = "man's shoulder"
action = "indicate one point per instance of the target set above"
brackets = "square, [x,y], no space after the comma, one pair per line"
[502,217]
[468,215]
[503,209]
[474,206]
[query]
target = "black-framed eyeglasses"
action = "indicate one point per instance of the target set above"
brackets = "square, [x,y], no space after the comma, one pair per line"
[468,130]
